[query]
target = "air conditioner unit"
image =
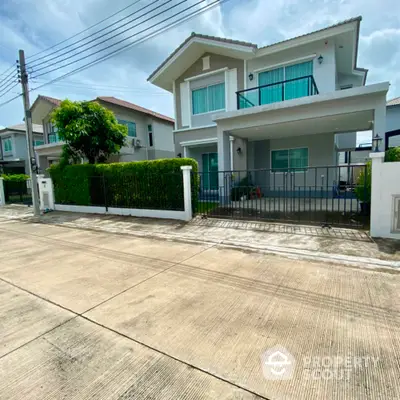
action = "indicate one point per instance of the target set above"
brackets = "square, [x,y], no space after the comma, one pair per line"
[136,143]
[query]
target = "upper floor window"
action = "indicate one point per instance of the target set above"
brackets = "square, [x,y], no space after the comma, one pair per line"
[209,98]
[130,125]
[52,135]
[150,133]
[7,145]
[38,142]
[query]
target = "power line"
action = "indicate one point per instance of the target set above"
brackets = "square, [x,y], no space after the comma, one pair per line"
[105,57]
[9,101]
[6,77]
[93,40]
[8,69]
[129,37]
[85,30]
[3,90]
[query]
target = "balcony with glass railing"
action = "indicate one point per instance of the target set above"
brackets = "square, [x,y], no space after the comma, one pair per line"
[53,138]
[277,92]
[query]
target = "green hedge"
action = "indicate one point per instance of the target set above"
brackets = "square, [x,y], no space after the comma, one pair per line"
[15,177]
[141,184]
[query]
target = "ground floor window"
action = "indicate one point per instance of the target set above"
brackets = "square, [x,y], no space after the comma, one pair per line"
[210,171]
[289,158]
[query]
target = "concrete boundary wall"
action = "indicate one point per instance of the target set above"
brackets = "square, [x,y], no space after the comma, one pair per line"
[385,197]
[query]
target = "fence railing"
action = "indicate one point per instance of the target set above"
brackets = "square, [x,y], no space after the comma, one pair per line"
[17,192]
[327,195]
[276,92]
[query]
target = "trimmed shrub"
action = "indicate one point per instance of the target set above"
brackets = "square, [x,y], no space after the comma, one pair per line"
[141,184]
[392,154]
[15,177]
[363,184]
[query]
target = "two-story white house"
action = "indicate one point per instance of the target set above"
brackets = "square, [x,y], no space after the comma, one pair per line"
[286,108]
[14,150]
[150,134]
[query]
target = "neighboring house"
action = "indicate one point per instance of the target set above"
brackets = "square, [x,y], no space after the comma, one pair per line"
[293,104]
[13,148]
[392,138]
[149,133]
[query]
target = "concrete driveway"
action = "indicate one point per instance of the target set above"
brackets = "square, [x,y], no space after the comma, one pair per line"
[106,316]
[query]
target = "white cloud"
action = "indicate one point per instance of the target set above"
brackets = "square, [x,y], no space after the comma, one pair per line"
[43,23]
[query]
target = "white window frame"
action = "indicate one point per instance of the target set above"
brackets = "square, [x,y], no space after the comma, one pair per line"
[290,148]
[152,135]
[207,112]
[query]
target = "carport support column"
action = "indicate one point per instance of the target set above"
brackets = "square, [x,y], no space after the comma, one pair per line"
[376,179]
[380,120]
[2,194]
[224,166]
[187,191]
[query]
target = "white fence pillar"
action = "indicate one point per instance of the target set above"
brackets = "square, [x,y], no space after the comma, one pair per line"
[187,191]
[2,194]
[376,206]
[46,194]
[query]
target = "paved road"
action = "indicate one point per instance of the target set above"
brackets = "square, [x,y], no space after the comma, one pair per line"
[105,316]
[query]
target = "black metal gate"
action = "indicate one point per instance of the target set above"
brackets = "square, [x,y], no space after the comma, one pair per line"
[17,192]
[327,196]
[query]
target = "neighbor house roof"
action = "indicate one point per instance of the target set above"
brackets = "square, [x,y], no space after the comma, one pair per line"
[21,128]
[126,104]
[394,102]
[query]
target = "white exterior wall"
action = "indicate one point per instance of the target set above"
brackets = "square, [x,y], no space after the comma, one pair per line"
[324,74]
[385,188]
[162,136]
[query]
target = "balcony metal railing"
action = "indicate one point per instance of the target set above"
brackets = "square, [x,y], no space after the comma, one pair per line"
[276,92]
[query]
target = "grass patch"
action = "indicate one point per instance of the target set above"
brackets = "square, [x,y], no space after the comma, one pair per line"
[204,206]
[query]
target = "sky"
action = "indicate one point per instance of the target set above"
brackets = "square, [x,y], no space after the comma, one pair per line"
[37,25]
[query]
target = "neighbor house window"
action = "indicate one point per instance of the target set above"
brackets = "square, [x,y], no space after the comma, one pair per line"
[38,142]
[289,158]
[209,98]
[7,145]
[52,135]
[130,125]
[150,132]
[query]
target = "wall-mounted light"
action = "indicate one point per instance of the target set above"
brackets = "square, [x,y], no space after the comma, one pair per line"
[251,76]
[239,150]
[320,59]
[179,155]
[376,141]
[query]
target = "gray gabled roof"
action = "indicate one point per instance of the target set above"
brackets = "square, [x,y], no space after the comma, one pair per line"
[38,129]
[242,43]
[394,102]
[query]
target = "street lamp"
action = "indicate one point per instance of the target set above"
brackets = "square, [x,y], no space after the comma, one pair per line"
[376,141]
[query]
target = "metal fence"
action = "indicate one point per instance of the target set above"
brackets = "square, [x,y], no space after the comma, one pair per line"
[138,191]
[17,192]
[329,195]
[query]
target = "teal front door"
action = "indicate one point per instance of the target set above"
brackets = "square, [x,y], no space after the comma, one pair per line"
[210,171]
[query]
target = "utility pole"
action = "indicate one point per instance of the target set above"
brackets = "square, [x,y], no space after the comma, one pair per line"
[29,133]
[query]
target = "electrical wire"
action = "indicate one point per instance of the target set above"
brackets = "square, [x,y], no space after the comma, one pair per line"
[3,93]
[125,39]
[93,40]
[85,30]
[12,72]
[105,57]
[4,88]
[9,101]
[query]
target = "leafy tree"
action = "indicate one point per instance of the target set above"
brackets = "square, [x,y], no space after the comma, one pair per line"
[89,130]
